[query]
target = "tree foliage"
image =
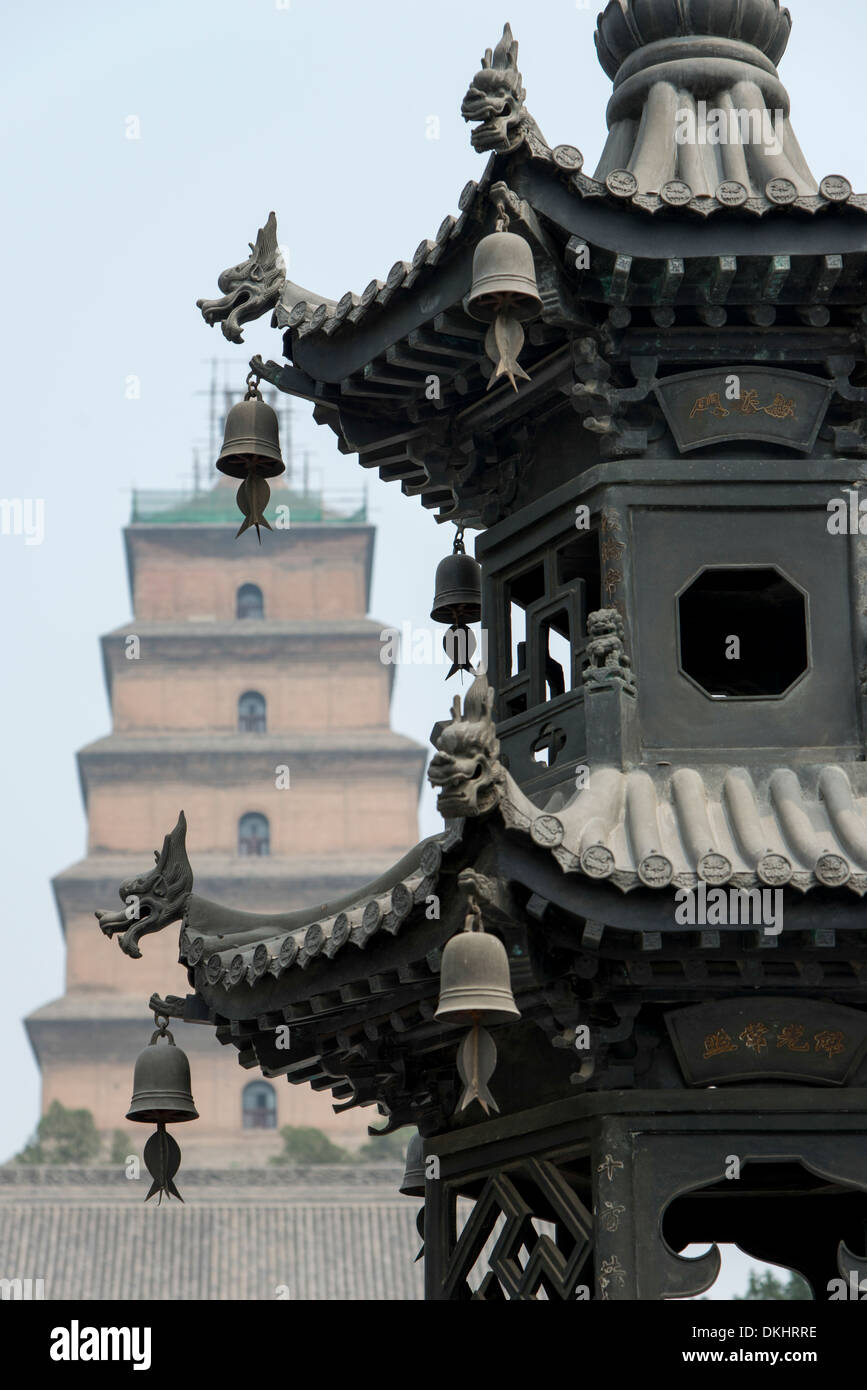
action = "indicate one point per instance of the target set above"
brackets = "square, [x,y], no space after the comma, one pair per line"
[302,1144]
[120,1146]
[386,1148]
[62,1136]
[768,1286]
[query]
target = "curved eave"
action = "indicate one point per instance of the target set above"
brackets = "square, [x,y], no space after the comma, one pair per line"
[646,226]
[331,345]
[802,828]
[373,366]
[376,941]
[627,834]
[366,364]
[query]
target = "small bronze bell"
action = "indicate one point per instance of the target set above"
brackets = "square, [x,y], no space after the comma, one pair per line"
[251,439]
[458,602]
[414,1181]
[475,986]
[458,597]
[162,1096]
[414,1174]
[504,294]
[251,452]
[504,277]
[161,1086]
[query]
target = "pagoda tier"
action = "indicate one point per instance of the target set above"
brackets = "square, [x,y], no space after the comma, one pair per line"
[581,890]
[713,249]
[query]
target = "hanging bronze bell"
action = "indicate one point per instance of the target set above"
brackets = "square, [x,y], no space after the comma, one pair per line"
[162,1092]
[414,1173]
[504,278]
[251,441]
[475,986]
[458,597]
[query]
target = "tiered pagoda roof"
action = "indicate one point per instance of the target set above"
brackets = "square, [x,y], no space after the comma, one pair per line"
[580,889]
[665,237]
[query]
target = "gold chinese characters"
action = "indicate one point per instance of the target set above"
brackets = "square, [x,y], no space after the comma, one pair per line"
[747,404]
[756,1038]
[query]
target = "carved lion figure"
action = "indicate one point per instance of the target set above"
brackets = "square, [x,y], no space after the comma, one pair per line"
[605,651]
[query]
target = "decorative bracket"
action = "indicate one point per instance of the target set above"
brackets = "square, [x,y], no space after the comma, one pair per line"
[604,404]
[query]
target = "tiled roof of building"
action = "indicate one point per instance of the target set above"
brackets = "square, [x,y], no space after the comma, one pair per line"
[312,318]
[807,828]
[325,1234]
[702,205]
[210,933]
[666,830]
[664,59]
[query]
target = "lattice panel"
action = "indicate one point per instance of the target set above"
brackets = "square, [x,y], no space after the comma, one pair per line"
[510,1248]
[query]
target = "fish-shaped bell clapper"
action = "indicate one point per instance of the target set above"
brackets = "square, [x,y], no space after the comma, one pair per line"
[162,1158]
[477,1061]
[460,645]
[503,344]
[254,494]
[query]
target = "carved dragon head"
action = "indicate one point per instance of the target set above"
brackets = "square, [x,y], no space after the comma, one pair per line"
[249,289]
[496,99]
[467,769]
[156,899]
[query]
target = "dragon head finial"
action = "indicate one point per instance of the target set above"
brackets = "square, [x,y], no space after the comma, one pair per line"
[249,288]
[153,900]
[467,769]
[496,99]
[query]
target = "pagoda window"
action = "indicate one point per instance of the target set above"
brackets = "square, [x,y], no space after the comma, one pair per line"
[254,835]
[546,608]
[557,653]
[259,1106]
[252,713]
[250,603]
[743,633]
[580,561]
[524,590]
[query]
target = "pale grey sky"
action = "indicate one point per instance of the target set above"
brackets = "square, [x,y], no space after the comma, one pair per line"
[320,110]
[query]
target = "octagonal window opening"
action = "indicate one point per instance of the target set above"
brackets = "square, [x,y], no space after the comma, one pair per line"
[743,632]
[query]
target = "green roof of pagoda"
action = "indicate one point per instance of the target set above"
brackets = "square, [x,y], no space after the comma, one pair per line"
[217,506]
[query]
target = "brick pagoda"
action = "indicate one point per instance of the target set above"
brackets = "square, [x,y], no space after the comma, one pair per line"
[235,665]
